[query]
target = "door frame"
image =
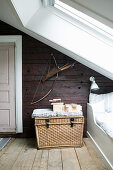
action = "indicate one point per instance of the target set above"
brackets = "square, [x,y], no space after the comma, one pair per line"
[18,77]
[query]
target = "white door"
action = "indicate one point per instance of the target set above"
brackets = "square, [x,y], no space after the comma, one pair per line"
[7,88]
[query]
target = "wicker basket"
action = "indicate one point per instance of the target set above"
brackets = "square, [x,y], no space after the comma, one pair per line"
[59,132]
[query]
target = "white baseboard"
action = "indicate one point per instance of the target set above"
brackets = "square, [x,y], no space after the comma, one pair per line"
[104,156]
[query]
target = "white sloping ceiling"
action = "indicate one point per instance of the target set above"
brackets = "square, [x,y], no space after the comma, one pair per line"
[101,10]
[26,9]
[60,32]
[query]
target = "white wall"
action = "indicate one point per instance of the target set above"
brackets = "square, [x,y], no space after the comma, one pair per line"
[26,8]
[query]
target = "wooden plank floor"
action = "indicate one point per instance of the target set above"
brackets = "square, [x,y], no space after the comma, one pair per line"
[21,154]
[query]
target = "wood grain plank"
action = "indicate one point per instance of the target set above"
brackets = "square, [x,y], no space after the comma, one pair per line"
[37,160]
[26,156]
[7,146]
[69,159]
[95,155]
[10,155]
[85,160]
[54,160]
[41,160]
[22,154]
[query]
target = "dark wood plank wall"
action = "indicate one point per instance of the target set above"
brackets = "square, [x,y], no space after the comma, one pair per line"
[72,85]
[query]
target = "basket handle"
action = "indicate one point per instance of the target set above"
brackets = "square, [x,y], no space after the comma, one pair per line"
[72,121]
[47,123]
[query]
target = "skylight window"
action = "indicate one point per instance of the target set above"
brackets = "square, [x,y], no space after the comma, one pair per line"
[84,19]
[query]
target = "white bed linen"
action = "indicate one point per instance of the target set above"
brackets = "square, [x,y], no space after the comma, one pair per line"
[105,121]
[107,98]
